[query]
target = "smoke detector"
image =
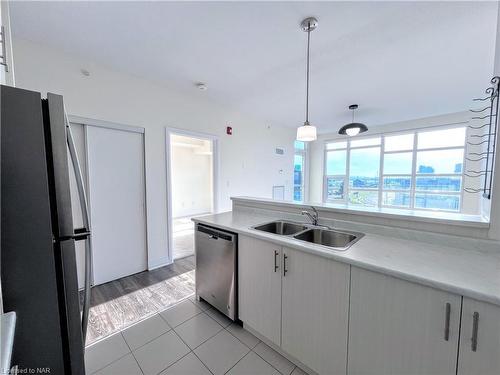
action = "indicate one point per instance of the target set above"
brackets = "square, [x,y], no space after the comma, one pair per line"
[201,86]
[85,72]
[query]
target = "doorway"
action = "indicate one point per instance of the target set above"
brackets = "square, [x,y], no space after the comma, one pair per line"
[192,186]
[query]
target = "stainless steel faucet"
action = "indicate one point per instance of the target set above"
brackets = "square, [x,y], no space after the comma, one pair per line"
[313,217]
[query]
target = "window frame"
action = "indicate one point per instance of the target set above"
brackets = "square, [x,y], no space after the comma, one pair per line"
[412,191]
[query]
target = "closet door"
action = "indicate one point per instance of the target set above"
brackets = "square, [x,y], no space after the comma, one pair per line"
[117,202]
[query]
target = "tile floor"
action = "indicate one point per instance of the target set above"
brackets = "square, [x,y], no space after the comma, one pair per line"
[188,338]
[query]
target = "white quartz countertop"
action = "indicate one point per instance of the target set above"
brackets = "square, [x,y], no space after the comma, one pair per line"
[467,272]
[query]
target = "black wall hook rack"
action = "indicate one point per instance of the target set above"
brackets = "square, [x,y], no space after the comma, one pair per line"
[479,110]
[489,150]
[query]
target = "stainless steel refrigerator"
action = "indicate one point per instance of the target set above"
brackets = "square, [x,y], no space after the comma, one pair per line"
[38,260]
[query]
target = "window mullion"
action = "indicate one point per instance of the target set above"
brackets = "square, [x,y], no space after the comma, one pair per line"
[462,180]
[325,177]
[381,170]
[347,173]
[413,171]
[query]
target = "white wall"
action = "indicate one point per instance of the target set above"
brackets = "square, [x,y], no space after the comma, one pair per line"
[248,163]
[471,203]
[191,180]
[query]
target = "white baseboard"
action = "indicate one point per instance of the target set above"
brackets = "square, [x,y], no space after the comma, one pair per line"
[163,263]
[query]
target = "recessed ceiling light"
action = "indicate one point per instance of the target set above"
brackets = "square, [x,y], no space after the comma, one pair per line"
[201,86]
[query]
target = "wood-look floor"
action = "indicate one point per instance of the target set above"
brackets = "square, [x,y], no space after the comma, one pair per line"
[120,303]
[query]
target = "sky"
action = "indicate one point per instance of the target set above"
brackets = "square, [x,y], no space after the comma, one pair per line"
[366,162]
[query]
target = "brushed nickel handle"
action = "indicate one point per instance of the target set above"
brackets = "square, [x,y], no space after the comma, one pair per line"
[475,326]
[285,257]
[82,194]
[447,322]
[276,253]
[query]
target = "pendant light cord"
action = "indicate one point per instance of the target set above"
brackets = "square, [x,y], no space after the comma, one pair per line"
[307,73]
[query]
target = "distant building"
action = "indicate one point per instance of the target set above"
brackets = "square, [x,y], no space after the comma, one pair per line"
[425,169]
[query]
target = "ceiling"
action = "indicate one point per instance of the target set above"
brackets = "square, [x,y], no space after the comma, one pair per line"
[397,60]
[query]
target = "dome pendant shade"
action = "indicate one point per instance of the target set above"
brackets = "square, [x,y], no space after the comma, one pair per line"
[306,133]
[353,128]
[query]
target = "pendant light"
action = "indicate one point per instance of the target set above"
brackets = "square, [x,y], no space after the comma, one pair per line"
[354,128]
[307,132]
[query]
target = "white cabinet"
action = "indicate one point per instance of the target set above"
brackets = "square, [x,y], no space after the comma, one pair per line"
[479,339]
[259,286]
[6,61]
[337,319]
[315,307]
[397,327]
[297,300]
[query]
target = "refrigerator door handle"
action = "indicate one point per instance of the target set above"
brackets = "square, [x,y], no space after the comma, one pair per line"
[85,232]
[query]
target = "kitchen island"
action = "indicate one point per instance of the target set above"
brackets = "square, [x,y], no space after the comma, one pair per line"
[394,303]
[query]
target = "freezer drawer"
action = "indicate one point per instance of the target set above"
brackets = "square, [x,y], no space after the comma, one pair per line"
[216,257]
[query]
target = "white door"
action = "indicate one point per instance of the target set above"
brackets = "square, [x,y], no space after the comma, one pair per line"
[315,305]
[259,277]
[117,202]
[479,339]
[401,328]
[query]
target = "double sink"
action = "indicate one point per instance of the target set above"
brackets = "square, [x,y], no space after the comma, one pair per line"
[333,239]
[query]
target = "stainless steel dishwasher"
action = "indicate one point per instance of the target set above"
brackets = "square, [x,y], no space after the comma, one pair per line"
[216,264]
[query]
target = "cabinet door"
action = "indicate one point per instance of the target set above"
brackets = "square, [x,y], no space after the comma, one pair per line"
[259,286]
[315,305]
[479,339]
[397,327]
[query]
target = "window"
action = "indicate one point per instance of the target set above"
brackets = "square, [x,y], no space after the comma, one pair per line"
[364,171]
[421,169]
[398,170]
[335,179]
[299,162]
[439,169]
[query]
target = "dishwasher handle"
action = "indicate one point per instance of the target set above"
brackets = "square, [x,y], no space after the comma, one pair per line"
[215,234]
